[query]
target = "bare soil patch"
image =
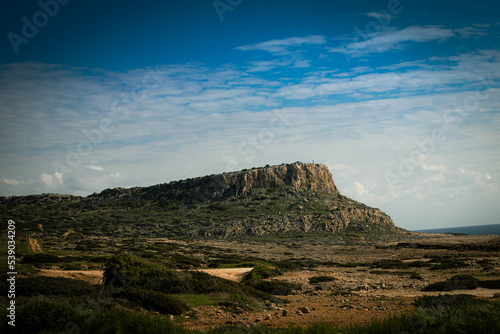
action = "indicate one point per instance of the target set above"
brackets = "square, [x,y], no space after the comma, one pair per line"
[232,274]
[91,276]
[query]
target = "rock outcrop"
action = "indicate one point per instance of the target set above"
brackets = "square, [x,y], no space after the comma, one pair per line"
[300,176]
[287,198]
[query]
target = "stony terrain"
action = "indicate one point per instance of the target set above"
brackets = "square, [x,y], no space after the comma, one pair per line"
[363,286]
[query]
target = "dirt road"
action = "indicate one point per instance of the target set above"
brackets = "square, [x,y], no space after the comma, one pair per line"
[94,276]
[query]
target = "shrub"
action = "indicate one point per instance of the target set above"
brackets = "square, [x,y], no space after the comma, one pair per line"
[42,285]
[446,300]
[261,272]
[490,284]
[455,314]
[40,258]
[41,314]
[319,279]
[237,302]
[445,263]
[457,282]
[154,301]
[287,265]
[141,273]
[390,264]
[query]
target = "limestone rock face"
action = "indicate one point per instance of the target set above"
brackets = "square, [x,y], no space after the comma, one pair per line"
[313,177]
[301,176]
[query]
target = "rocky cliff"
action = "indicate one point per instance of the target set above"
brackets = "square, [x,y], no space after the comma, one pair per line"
[299,176]
[287,198]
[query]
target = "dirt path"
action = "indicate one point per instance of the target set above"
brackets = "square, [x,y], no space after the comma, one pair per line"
[94,276]
[34,245]
[91,276]
[232,274]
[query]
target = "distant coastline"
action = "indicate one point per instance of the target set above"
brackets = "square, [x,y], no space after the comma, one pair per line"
[470,230]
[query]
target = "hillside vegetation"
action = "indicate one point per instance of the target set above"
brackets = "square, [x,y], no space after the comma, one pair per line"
[257,202]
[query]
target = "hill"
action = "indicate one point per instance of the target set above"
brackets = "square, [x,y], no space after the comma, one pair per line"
[287,198]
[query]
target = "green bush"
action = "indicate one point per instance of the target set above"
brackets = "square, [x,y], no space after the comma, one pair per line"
[288,265]
[490,284]
[320,279]
[457,282]
[446,300]
[455,314]
[141,273]
[41,258]
[42,285]
[236,303]
[261,272]
[445,263]
[40,314]
[154,301]
[390,264]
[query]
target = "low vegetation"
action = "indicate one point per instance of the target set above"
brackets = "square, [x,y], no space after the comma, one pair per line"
[440,314]
[321,279]
[125,270]
[462,282]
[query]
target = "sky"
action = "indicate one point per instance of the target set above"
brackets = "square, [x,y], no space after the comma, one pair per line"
[399,99]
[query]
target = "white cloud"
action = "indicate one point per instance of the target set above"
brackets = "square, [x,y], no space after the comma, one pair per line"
[379,15]
[440,168]
[95,167]
[52,181]
[394,39]
[12,182]
[282,46]
[476,30]
[359,190]
[192,124]
[476,70]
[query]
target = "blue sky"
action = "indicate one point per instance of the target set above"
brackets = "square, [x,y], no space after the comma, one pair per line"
[400,99]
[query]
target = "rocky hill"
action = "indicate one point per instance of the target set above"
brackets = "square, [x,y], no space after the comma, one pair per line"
[287,198]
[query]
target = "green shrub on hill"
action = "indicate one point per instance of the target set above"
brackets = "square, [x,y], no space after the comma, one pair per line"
[261,272]
[42,285]
[141,273]
[154,301]
[457,282]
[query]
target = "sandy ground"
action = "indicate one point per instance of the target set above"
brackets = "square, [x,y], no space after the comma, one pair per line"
[232,274]
[95,276]
[91,276]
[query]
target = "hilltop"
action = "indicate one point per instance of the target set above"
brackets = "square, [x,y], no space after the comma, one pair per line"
[286,198]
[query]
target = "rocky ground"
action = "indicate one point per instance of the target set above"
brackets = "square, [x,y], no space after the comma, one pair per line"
[357,293]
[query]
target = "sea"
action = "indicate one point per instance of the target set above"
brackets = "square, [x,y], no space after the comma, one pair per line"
[470,230]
